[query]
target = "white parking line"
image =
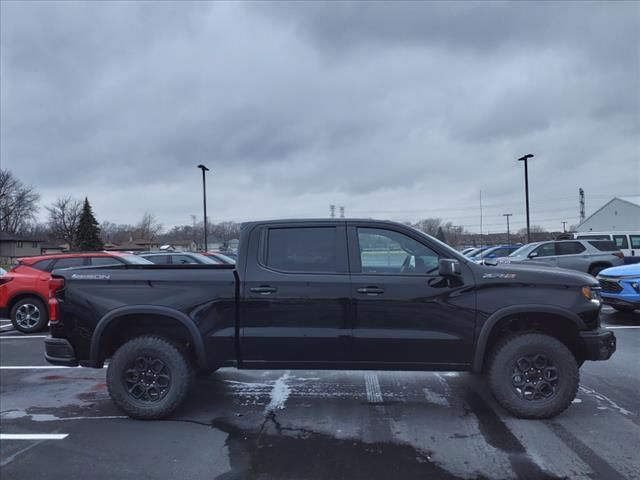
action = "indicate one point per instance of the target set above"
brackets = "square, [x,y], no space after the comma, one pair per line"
[374,394]
[623,326]
[22,336]
[6,326]
[33,436]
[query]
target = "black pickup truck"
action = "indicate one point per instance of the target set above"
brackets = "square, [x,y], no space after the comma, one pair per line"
[330,294]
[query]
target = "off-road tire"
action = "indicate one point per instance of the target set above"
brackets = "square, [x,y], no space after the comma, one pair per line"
[21,307]
[501,376]
[178,365]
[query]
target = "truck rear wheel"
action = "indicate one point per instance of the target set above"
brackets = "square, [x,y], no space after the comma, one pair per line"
[533,375]
[149,377]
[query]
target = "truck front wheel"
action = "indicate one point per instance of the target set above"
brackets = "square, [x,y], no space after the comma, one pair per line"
[149,377]
[533,375]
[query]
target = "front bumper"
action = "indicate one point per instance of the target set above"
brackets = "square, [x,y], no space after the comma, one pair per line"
[599,344]
[59,351]
[621,302]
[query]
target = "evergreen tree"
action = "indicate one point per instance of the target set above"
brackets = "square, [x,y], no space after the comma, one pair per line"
[88,234]
[440,235]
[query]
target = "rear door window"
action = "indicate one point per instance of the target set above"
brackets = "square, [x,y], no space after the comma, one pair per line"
[69,262]
[306,249]
[183,260]
[158,259]
[635,241]
[569,248]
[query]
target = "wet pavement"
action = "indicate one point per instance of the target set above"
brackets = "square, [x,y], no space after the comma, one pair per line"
[317,425]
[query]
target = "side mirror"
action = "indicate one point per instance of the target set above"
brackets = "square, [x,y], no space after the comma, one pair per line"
[533,255]
[448,267]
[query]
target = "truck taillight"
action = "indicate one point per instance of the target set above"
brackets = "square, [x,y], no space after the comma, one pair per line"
[55,285]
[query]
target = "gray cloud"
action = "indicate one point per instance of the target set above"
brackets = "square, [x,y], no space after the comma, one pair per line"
[398,110]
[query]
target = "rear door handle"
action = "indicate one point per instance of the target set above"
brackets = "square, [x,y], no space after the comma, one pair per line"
[370,290]
[263,290]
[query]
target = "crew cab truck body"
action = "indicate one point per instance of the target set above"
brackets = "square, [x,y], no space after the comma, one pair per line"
[330,294]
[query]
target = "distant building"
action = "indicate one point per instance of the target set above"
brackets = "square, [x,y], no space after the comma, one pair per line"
[617,215]
[13,247]
[47,248]
[134,246]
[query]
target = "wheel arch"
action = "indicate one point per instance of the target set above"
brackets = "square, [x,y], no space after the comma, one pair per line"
[144,319]
[21,296]
[550,317]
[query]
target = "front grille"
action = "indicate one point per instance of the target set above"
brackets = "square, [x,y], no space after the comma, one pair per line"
[610,286]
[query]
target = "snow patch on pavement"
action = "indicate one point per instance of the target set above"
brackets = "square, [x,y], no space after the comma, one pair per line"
[279,394]
[435,398]
[604,401]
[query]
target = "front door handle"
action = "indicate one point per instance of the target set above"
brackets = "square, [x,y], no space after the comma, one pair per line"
[370,290]
[263,290]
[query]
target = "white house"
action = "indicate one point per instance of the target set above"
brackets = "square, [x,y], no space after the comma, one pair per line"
[617,215]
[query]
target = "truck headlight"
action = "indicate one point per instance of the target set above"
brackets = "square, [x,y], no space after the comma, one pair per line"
[635,286]
[592,294]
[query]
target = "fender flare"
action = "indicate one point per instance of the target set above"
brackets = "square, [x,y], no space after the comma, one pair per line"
[494,318]
[113,315]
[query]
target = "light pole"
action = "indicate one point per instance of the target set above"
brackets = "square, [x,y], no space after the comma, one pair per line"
[524,159]
[564,227]
[204,203]
[508,232]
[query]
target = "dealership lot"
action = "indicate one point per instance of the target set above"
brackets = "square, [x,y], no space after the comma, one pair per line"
[57,422]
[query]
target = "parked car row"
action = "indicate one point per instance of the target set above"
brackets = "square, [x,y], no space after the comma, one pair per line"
[24,289]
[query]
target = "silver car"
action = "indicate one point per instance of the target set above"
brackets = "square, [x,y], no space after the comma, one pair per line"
[589,256]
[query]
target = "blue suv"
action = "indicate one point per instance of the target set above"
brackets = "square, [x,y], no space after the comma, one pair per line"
[621,287]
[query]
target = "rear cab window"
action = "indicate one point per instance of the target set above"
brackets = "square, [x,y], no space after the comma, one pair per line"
[635,241]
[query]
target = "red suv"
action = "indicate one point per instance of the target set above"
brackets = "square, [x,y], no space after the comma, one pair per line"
[24,290]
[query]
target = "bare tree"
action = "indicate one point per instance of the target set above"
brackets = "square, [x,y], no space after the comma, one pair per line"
[64,215]
[429,225]
[226,231]
[18,203]
[148,228]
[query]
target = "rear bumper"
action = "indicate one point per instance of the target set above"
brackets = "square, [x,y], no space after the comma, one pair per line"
[599,344]
[59,351]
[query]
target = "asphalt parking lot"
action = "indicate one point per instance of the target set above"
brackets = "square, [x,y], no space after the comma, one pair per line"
[58,422]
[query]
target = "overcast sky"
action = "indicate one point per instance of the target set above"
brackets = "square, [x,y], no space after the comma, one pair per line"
[394,110]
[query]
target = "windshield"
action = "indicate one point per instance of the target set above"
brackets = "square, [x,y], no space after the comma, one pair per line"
[522,251]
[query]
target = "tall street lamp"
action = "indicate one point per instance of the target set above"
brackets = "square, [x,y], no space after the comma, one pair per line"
[524,159]
[508,232]
[204,203]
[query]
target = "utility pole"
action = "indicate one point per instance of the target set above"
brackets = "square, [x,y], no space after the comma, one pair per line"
[341,212]
[564,227]
[332,211]
[508,231]
[581,196]
[524,159]
[204,204]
